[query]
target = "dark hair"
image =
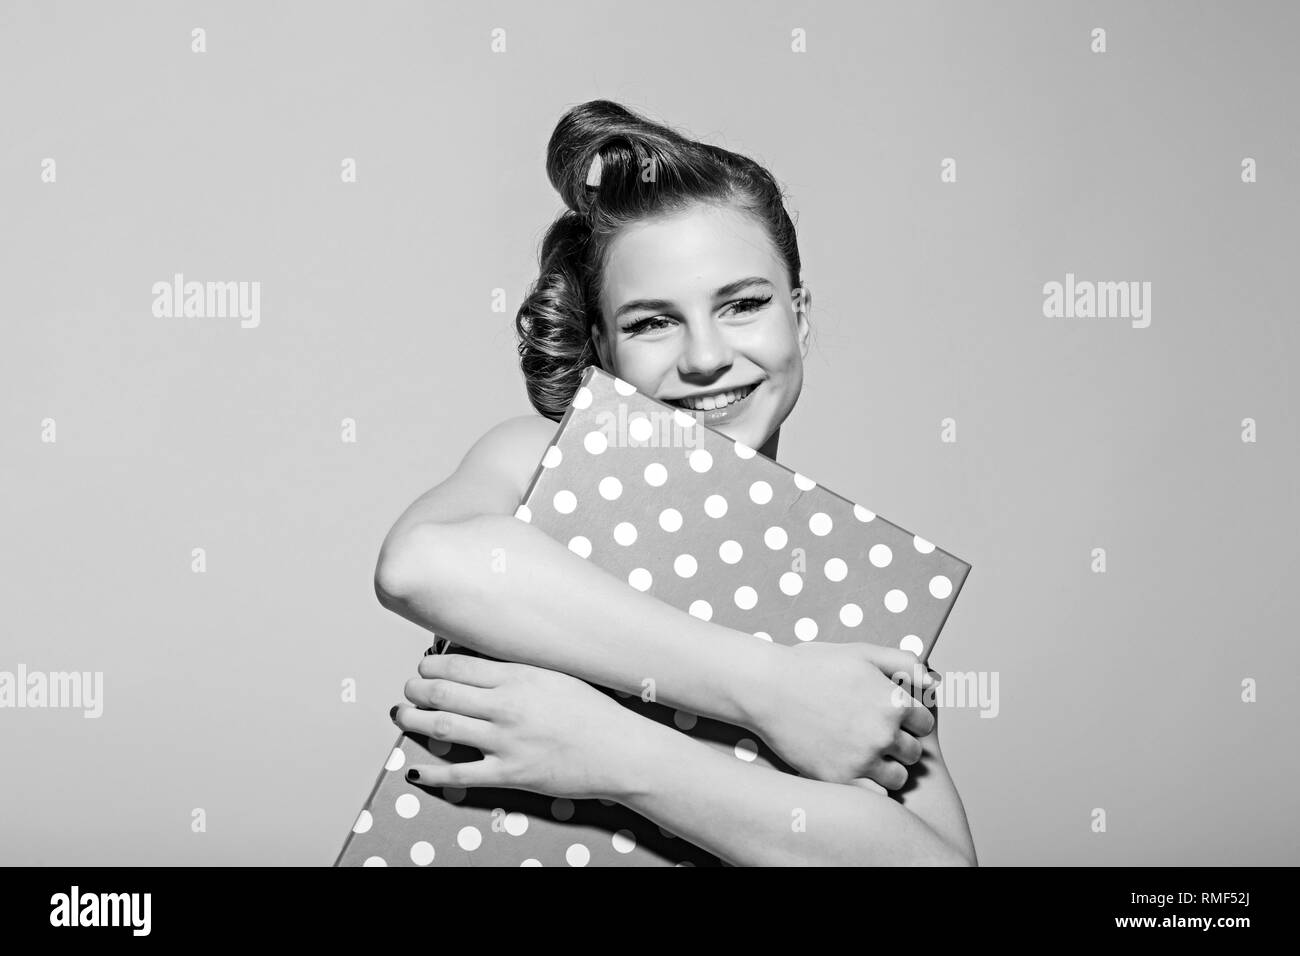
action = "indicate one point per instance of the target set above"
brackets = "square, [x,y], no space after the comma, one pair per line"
[646,170]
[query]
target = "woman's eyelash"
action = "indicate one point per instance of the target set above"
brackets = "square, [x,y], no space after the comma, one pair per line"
[747,305]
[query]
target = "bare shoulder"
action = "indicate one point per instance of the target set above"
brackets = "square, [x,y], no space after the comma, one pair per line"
[513,447]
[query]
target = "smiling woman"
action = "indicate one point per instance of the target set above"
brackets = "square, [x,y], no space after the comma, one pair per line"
[676,268]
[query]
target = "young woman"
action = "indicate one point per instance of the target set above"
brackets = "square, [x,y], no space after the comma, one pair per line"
[676,268]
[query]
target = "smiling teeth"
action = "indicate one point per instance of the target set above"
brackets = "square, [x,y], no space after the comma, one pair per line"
[722,400]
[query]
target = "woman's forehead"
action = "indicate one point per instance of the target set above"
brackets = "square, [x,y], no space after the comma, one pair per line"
[686,254]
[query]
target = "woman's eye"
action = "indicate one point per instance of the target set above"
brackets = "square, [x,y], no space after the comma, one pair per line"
[640,325]
[751,305]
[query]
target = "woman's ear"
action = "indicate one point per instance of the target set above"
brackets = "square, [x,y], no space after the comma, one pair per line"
[802,315]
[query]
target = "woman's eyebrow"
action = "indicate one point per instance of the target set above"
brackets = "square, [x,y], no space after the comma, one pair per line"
[731,288]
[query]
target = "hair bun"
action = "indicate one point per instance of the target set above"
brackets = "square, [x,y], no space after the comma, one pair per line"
[593,138]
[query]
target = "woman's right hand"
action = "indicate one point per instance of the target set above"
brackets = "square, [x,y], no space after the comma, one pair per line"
[843,713]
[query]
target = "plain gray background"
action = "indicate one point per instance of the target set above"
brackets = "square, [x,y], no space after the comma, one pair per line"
[222,690]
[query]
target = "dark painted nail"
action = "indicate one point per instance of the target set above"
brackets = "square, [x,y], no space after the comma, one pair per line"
[392,714]
[413,776]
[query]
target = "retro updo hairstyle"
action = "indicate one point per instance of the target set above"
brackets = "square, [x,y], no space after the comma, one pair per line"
[645,170]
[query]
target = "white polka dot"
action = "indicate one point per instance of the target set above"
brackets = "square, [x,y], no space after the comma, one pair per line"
[896,601]
[912,643]
[880,555]
[925,547]
[516,823]
[743,451]
[730,551]
[863,514]
[396,760]
[565,501]
[850,615]
[562,808]
[685,720]
[422,853]
[746,749]
[684,419]
[836,569]
[820,524]
[625,533]
[582,399]
[670,519]
[803,482]
[364,822]
[775,538]
[607,803]
[763,636]
[805,629]
[439,748]
[595,442]
[702,609]
[701,460]
[940,586]
[640,579]
[685,565]
[791,583]
[374,861]
[407,805]
[760,492]
[610,488]
[580,546]
[684,863]
[577,855]
[640,429]
[655,474]
[553,457]
[746,597]
[531,861]
[524,513]
[624,841]
[469,838]
[715,506]
[623,388]
[453,794]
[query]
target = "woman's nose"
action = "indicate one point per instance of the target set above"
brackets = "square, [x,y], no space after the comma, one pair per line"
[707,350]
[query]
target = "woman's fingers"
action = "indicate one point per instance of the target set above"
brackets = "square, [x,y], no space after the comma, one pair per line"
[472,773]
[444,725]
[906,749]
[441,694]
[463,669]
[867,784]
[917,720]
[887,772]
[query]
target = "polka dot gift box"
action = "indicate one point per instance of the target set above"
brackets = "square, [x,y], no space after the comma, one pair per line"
[704,523]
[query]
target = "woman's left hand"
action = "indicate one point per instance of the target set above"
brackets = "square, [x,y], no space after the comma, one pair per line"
[538,729]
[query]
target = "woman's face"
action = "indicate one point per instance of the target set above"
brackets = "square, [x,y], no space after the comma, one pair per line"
[698,304]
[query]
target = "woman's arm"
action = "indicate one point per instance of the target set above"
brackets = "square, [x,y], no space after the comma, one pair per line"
[548,732]
[756,816]
[931,794]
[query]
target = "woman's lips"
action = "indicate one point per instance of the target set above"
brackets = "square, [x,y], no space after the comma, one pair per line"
[716,416]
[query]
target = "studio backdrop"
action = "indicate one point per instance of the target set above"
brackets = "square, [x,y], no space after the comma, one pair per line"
[1052,251]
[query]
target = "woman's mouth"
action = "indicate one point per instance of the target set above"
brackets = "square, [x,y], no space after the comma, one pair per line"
[719,407]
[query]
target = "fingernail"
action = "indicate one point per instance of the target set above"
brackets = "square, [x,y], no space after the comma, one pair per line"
[392,714]
[413,776]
